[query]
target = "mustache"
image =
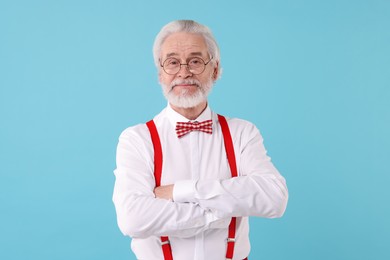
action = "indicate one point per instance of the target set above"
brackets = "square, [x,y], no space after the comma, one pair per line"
[185,82]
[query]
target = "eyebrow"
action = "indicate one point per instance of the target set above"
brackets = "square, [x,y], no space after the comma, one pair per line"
[196,54]
[191,54]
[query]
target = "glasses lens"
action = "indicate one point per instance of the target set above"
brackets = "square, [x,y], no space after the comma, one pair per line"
[196,65]
[171,65]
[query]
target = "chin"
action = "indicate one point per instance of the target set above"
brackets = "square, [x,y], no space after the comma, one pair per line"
[186,101]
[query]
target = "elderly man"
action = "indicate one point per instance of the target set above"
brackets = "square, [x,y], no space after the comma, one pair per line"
[187,180]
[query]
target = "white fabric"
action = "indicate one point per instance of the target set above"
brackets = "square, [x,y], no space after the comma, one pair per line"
[205,196]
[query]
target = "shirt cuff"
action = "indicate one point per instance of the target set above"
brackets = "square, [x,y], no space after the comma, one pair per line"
[184,191]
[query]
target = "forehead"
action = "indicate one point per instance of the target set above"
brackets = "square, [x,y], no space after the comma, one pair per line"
[183,44]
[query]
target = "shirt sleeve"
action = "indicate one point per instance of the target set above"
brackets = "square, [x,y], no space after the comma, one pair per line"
[259,190]
[139,213]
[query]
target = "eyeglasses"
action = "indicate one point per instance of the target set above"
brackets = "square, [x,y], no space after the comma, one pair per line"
[195,65]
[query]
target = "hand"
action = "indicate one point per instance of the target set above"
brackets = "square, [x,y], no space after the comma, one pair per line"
[164,192]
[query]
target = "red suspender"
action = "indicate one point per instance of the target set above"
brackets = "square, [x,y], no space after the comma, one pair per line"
[158,159]
[158,156]
[227,138]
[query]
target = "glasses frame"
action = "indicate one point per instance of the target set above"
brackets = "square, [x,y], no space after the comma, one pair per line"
[188,67]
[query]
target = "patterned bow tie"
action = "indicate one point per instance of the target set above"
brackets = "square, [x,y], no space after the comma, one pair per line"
[183,128]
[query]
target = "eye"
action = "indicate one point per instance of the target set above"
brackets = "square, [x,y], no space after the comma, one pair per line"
[171,62]
[195,62]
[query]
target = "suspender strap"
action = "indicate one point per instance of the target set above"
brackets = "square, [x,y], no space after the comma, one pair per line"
[227,138]
[166,248]
[158,156]
[158,159]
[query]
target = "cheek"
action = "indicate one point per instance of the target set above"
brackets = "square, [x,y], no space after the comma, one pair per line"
[208,76]
[165,79]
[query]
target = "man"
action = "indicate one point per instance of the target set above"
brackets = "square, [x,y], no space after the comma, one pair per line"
[190,214]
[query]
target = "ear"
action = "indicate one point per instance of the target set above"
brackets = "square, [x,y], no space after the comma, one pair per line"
[216,71]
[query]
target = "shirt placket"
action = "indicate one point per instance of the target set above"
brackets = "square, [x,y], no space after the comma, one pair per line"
[195,174]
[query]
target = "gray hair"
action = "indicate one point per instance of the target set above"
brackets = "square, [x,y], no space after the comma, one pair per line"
[187,26]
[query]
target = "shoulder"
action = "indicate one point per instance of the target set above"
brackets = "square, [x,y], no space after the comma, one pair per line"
[136,134]
[240,125]
[242,130]
[141,131]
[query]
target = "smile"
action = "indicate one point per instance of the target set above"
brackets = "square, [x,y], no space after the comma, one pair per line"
[185,85]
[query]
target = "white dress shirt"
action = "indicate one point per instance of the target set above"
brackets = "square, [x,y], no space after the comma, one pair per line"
[205,197]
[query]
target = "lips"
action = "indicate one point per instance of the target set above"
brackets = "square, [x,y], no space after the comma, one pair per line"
[185,83]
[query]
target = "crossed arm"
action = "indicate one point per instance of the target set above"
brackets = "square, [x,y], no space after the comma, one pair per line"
[189,207]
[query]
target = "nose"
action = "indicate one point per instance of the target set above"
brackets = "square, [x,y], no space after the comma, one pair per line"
[184,71]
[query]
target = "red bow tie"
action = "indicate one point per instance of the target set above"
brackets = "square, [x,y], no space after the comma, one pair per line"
[183,128]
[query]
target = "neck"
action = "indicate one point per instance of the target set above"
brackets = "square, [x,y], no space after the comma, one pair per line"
[191,113]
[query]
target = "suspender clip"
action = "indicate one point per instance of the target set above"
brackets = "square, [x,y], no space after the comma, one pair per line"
[165,242]
[231,240]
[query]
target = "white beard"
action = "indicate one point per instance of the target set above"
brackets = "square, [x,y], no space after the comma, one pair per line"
[184,99]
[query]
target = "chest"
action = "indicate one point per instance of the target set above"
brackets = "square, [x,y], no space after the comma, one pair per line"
[195,156]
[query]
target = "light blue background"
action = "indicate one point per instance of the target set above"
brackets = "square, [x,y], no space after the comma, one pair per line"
[312,75]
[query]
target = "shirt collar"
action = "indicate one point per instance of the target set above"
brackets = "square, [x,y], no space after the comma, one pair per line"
[174,117]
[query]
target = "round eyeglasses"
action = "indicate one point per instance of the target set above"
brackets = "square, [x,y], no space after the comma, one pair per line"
[196,65]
